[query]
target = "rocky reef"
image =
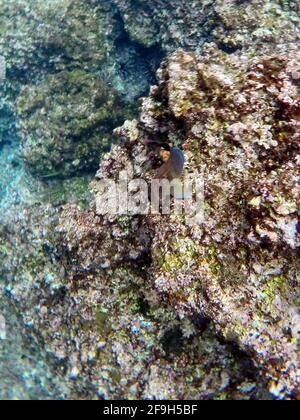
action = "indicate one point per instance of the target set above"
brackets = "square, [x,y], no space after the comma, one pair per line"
[168,23]
[105,332]
[67,121]
[231,24]
[120,44]
[240,269]
[149,306]
[144,298]
[72,75]
[38,36]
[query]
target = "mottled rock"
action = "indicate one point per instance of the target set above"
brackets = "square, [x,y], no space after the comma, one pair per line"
[66,122]
[38,36]
[169,23]
[232,24]
[238,117]
[124,305]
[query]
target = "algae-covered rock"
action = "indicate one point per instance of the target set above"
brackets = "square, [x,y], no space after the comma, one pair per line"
[38,35]
[242,135]
[169,23]
[231,24]
[55,53]
[236,117]
[255,23]
[149,306]
[66,122]
[103,331]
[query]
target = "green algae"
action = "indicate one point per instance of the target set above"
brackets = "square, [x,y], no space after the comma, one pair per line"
[79,121]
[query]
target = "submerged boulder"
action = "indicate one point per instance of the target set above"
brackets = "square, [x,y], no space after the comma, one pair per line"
[72,72]
[188,24]
[169,23]
[38,36]
[237,120]
[66,122]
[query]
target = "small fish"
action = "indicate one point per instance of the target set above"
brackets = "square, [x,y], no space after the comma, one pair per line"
[172,156]
[173,166]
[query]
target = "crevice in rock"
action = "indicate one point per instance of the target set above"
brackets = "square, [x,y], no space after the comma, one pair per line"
[135,64]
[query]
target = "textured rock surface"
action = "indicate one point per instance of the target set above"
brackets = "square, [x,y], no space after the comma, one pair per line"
[30,268]
[232,24]
[121,43]
[241,267]
[77,72]
[66,122]
[169,23]
[104,328]
[25,372]
[255,23]
[123,306]
[35,35]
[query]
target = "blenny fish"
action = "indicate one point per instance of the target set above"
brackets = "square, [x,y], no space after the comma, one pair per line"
[173,166]
[173,158]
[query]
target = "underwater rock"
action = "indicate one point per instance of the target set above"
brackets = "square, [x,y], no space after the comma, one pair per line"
[232,24]
[167,23]
[74,75]
[238,116]
[38,36]
[254,24]
[123,305]
[66,122]
[25,373]
[99,324]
